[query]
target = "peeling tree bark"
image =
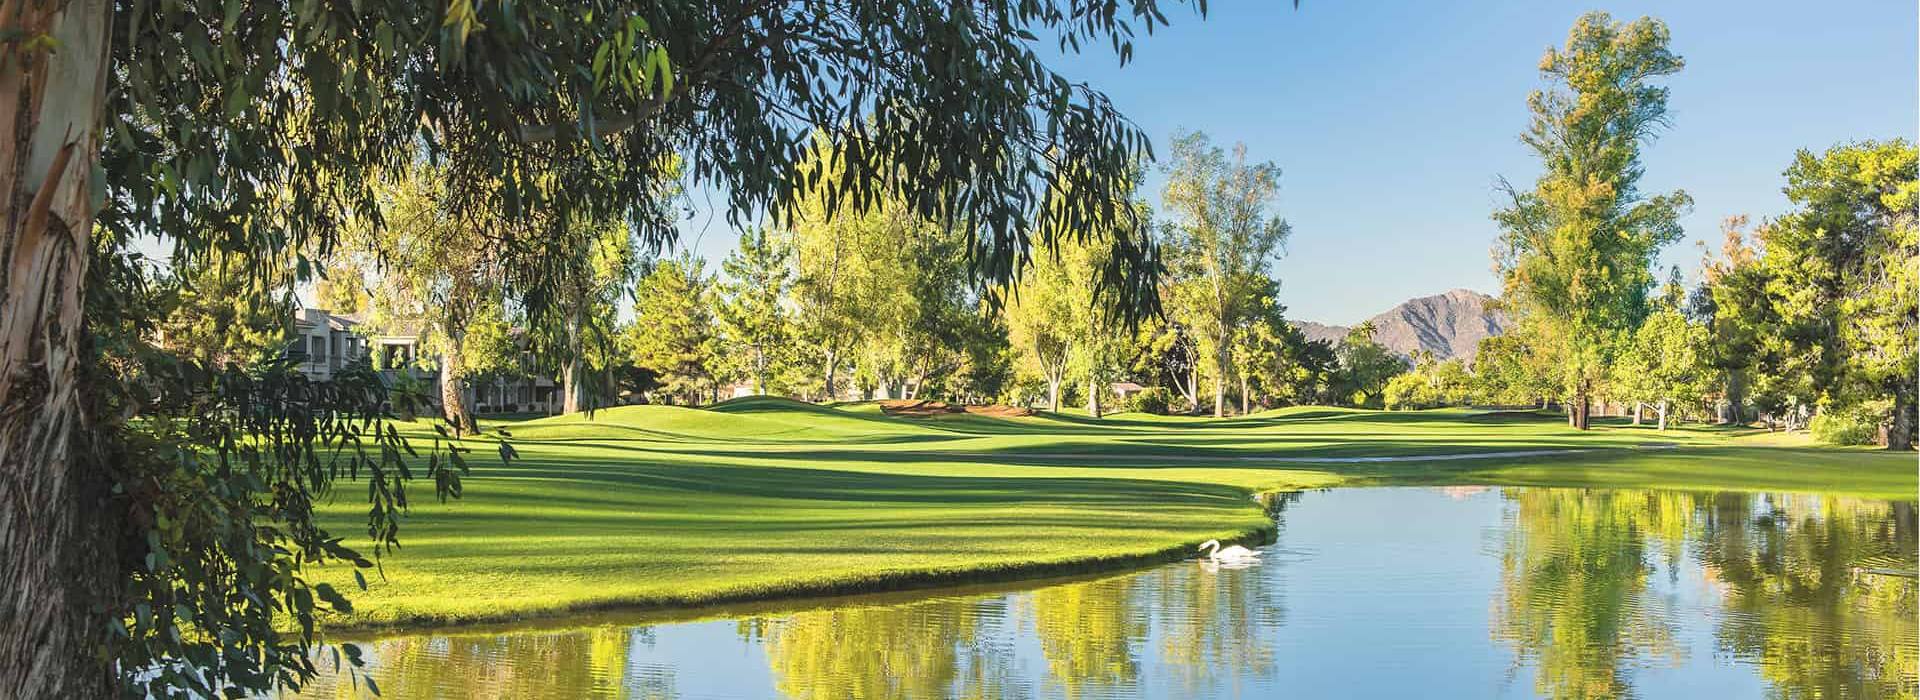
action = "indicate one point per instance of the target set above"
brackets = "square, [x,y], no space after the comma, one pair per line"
[59,566]
[453,402]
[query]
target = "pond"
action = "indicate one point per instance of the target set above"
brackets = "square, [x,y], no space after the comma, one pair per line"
[1388,592]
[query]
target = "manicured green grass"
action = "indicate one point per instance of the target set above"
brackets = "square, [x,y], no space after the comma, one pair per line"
[664,506]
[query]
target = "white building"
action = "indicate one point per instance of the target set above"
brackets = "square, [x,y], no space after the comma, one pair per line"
[324,342]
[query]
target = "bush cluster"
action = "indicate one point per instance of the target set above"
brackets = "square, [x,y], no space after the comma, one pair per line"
[1154,399]
[1852,425]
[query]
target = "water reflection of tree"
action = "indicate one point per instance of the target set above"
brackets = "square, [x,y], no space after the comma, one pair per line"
[1215,625]
[1573,598]
[927,649]
[1087,633]
[1794,602]
[572,663]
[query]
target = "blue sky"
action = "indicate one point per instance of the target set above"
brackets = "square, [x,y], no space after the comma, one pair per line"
[1391,120]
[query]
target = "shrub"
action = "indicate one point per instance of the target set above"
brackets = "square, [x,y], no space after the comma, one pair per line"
[1405,391]
[1851,425]
[1072,394]
[1154,399]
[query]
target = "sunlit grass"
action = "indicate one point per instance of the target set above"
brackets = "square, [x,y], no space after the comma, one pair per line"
[664,506]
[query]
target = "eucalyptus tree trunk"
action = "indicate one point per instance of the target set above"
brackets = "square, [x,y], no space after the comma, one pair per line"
[453,402]
[453,377]
[1053,391]
[833,338]
[573,389]
[920,380]
[1662,407]
[1220,385]
[833,364]
[59,564]
[1579,407]
[1193,385]
[1093,396]
[1582,408]
[759,371]
[1222,336]
[573,386]
[1636,411]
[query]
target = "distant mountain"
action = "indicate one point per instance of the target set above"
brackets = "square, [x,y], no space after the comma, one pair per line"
[1321,331]
[1448,325]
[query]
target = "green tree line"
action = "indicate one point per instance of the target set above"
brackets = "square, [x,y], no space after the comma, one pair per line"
[882,304]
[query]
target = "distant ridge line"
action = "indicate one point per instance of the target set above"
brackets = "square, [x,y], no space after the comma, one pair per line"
[1449,325]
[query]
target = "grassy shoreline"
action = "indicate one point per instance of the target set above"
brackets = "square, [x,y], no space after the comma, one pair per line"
[664,508]
[894,582]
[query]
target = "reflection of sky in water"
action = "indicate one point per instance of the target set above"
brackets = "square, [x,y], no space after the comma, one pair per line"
[1368,592]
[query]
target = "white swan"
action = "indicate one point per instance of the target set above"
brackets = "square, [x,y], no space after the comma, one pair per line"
[1235,553]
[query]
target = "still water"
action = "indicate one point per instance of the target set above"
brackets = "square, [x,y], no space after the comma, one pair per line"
[1399,592]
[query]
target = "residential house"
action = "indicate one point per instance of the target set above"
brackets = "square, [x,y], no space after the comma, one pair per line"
[324,342]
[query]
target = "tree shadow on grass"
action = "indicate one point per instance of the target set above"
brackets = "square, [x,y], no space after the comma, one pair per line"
[1713,468]
[1137,453]
[809,483]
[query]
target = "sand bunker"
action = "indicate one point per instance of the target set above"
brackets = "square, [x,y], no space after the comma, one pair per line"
[916,408]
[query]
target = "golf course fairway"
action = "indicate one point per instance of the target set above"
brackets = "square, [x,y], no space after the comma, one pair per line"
[660,506]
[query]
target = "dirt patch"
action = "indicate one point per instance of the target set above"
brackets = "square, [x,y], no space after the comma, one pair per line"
[929,409]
